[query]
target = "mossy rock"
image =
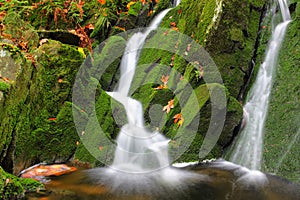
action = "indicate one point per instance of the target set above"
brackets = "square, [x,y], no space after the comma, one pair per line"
[281,142]
[36,122]
[4,87]
[12,187]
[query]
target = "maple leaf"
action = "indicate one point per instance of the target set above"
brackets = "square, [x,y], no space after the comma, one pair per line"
[178,119]
[163,79]
[169,106]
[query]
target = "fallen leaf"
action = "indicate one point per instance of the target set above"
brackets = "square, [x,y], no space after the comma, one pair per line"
[175,28]
[43,41]
[169,106]
[120,28]
[173,57]
[164,79]
[5,79]
[178,119]
[89,26]
[23,45]
[52,118]
[188,48]
[102,2]
[81,51]
[7,181]
[130,4]
[173,24]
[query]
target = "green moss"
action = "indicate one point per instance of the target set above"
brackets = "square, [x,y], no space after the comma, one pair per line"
[282,132]
[36,121]
[4,87]
[12,187]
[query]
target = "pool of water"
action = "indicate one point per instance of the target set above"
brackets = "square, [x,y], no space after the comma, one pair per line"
[210,181]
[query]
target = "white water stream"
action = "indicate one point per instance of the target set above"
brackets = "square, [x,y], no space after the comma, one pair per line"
[248,147]
[138,149]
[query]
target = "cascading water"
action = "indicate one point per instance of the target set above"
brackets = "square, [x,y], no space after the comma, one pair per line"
[248,148]
[141,160]
[138,149]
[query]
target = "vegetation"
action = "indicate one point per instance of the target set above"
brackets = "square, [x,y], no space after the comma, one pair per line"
[51,40]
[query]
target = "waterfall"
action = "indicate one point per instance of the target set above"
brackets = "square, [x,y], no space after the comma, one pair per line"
[248,147]
[138,149]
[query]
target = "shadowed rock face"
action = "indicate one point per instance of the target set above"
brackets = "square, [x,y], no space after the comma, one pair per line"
[217,180]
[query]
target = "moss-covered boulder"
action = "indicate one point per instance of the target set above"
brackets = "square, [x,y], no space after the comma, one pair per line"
[36,121]
[12,187]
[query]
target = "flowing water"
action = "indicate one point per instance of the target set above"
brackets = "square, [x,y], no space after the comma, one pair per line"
[248,148]
[138,150]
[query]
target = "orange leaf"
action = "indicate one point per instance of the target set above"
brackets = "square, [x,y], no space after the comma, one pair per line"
[120,28]
[52,119]
[161,87]
[5,79]
[100,148]
[173,24]
[169,106]
[89,26]
[178,119]
[164,79]
[102,2]
[174,28]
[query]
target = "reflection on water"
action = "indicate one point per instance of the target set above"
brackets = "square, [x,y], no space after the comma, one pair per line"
[210,181]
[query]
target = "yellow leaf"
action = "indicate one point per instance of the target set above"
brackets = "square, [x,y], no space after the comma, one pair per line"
[81,51]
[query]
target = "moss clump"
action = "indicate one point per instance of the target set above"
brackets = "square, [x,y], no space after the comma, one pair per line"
[12,187]
[4,87]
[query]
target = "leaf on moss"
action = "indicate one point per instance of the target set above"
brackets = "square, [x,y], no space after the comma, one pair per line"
[169,106]
[178,119]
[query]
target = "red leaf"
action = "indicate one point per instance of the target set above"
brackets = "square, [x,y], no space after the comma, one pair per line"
[52,119]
